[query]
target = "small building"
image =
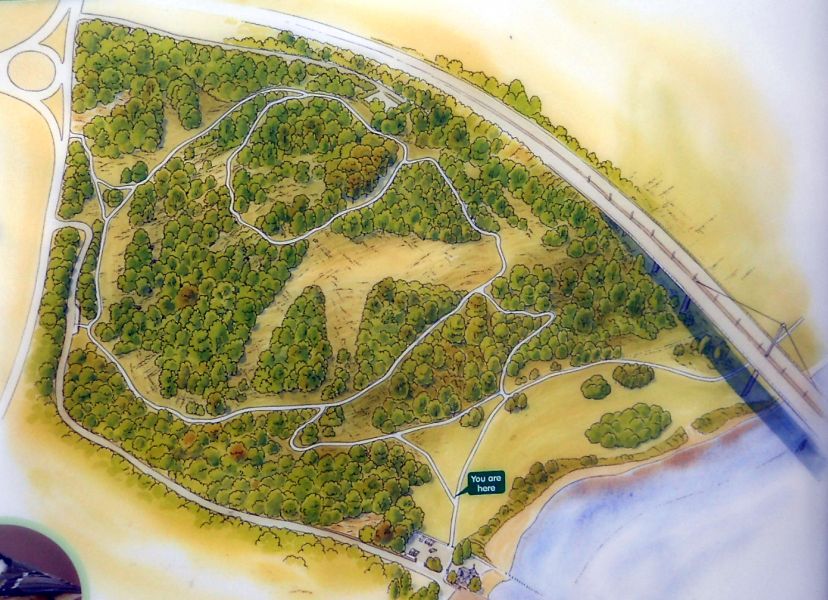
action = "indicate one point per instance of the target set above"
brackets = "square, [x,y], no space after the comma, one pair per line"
[464,576]
[413,553]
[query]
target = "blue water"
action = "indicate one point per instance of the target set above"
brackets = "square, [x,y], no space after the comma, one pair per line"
[740,517]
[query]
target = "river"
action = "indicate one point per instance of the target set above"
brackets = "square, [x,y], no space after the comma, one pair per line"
[739,517]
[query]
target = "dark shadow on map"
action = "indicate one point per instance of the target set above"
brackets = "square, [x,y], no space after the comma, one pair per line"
[730,365]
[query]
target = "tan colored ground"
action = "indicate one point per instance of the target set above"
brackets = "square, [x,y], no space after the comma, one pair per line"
[346,271]
[490,579]
[110,170]
[31,71]
[26,162]
[352,526]
[115,522]
[503,545]
[21,18]
[437,508]
[462,594]
[450,444]
[558,415]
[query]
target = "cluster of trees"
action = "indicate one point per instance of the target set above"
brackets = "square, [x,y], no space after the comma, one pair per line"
[629,428]
[401,518]
[299,352]
[597,303]
[558,236]
[713,347]
[401,587]
[516,403]
[433,563]
[714,419]
[513,95]
[486,195]
[243,463]
[145,72]
[358,171]
[601,292]
[327,130]
[348,159]
[473,418]
[395,313]
[234,127]
[182,95]
[523,288]
[633,375]
[52,312]
[539,474]
[177,188]
[338,383]
[87,285]
[137,173]
[77,182]
[301,214]
[456,365]
[621,299]
[462,552]
[192,302]
[595,387]
[135,125]
[113,197]
[419,202]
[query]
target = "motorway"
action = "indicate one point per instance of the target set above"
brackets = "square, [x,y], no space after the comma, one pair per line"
[802,400]
[800,396]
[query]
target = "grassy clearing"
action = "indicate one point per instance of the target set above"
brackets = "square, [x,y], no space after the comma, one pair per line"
[553,426]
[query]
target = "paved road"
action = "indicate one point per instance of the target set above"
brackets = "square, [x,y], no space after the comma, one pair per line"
[776,368]
[72,320]
[800,397]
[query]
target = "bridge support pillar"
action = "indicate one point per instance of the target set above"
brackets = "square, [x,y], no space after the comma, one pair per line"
[749,385]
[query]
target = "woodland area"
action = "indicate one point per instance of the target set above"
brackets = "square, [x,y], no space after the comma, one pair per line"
[212,234]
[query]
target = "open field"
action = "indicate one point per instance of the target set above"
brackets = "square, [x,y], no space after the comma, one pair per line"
[26,164]
[553,426]
[22,19]
[220,559]
[449,444]
[109,170]
[346,271]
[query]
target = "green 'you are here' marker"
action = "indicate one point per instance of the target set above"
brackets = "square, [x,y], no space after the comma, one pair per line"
[481,483]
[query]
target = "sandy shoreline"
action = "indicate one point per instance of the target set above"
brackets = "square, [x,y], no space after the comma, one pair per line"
[502,548]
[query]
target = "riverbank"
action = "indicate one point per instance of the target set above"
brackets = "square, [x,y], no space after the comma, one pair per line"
[738,515]
[503,546]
